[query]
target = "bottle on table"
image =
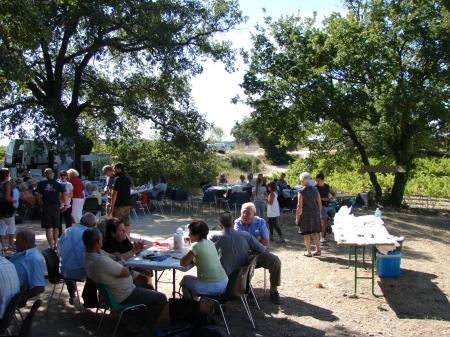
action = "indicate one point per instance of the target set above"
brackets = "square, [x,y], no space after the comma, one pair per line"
[178,239]
[377,213]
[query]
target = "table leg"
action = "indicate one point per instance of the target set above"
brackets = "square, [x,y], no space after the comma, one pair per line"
[356,269]
[156,280]
[173,283]
[364,257]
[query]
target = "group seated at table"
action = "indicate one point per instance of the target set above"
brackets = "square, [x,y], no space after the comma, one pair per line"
[103,269]
[232,249]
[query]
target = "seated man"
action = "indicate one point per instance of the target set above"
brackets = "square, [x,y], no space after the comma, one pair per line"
[234,247]
[256,226]
[71,252]
[9,284]
[29,265]
[281,183]
[101,268]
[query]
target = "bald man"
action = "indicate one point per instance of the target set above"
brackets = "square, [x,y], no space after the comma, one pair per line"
[29,265]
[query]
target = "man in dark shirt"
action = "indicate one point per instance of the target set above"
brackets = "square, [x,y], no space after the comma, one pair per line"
[52,192]
[324,191]
[120,196]
[234,247]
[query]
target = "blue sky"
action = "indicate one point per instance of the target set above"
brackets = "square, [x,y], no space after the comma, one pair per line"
[214,88]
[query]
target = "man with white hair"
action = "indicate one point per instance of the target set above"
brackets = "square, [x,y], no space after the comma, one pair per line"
[71,252]
[257,227]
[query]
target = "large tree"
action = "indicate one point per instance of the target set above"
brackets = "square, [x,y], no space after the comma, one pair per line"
[66,65]
[376,81]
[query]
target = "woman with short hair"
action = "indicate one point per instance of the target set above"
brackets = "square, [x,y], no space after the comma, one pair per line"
[211,277]
[308,214]
[77,195]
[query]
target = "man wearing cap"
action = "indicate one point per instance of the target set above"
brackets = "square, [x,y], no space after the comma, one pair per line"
[256,226]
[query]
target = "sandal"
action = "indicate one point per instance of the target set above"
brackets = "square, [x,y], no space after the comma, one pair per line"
[317,253]
[307,254]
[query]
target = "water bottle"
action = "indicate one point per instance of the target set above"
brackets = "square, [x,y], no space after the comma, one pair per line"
[178,240]
[377,213]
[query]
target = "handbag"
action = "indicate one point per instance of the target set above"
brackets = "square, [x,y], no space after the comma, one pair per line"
[183,310]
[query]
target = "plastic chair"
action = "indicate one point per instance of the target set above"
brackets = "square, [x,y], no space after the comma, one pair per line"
[27,324]
[142,203]
[114,306]
[134,205]
[8,316]
[54,277]
[91,205]
[238,287]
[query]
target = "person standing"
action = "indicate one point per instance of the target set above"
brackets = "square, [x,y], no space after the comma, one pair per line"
[259,195]
[273,211]
[109,186]
[325,191]
[66,215]
[120,196]
[52,193]
[7,223]
[308,214]
[77,195]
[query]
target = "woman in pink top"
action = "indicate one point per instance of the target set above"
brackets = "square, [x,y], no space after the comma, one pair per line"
[77,195]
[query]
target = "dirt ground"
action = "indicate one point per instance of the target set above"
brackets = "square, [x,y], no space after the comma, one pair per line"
[316,292]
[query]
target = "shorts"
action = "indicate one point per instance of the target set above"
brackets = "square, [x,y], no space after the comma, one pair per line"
[325,210]
[7,226]
[50,217]
[123,214]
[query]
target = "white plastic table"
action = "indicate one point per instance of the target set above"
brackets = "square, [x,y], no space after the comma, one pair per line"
[171,263]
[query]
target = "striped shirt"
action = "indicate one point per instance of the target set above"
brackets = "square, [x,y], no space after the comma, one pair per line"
[9,284]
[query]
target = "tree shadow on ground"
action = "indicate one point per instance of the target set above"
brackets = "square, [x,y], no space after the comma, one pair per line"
[294,307]
[414,295]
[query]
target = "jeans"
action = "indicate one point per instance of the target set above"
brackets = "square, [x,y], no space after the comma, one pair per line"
[193,287]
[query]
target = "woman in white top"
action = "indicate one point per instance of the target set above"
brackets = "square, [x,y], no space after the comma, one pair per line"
[273,211]
[259,195]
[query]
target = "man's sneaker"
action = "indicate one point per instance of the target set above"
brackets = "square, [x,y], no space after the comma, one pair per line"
[275,297]
[323,241]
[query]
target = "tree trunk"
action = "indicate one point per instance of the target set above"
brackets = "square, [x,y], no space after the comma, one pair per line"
[398,189]
[364,158]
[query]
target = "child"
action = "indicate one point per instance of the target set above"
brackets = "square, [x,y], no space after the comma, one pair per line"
[273,211]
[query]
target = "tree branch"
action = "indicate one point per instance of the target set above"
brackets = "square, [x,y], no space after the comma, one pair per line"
[28,101]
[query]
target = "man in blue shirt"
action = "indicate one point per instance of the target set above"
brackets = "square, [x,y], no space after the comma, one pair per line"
[71,252]
[29,265]
[52,193]
[9,284]
[257,227]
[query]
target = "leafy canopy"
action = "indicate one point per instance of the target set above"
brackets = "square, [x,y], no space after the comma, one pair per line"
[68,64]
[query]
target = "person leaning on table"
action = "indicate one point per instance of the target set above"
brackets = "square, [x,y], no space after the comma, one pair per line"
[102,269]
[211,277]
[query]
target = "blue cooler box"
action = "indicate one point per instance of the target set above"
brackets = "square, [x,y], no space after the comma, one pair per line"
[388,265]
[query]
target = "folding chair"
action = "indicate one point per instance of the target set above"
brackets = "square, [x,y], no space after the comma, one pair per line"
[55,278]
[238,287]
[114,307]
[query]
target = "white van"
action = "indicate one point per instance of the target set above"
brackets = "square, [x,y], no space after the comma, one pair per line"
[26,154]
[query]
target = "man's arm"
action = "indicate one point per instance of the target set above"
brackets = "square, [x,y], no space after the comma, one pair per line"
[113,200]
[264,232]
[255,245]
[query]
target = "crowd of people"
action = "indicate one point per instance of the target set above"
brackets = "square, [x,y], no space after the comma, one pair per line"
[96,251]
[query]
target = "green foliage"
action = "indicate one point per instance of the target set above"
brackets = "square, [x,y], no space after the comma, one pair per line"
[374,81]
[243,132]
[67,65]
[245,163]
[145,159]
[429,177]
[2,152]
